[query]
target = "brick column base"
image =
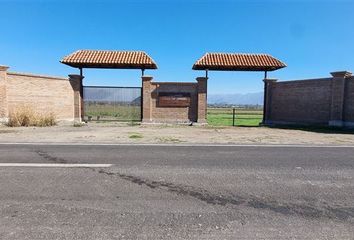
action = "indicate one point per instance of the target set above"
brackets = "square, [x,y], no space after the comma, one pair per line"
[338,100]
[146,103]
[76,83]
[267,106]
[4,113]
[202,100]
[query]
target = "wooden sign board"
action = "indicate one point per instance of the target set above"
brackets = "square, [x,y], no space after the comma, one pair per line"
[169,99]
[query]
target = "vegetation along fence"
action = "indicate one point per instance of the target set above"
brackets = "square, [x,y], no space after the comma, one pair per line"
[234,116]
[112,103]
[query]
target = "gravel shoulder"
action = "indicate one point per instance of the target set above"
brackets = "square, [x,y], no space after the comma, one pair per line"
[157,134]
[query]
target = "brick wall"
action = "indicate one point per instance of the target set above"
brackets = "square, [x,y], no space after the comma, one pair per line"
[152,112]
[306,101]
[44,94]
[178,114]
[3,94]
[349,103]
[324,101]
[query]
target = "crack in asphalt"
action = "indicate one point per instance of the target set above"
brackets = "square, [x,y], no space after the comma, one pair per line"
[50,158]
[306,211]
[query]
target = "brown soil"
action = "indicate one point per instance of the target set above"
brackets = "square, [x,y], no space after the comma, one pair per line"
[123,133]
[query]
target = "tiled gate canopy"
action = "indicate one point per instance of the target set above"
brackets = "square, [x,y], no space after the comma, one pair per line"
[109,59]
[238,62]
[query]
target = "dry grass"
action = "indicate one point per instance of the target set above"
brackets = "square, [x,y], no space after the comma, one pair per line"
[25,116]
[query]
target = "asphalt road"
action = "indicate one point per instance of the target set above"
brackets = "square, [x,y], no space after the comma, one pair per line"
[178,192]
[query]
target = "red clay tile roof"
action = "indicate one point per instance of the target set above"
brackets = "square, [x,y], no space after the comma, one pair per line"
[109,59]
[238,62]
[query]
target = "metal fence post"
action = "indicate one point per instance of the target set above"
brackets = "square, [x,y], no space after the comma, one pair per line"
[233,116]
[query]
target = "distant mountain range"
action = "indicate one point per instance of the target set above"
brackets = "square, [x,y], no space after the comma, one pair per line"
[133,95]
[237,98]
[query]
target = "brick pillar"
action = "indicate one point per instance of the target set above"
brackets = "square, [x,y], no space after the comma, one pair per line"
[76,82]
[202,99]
[146,95]
[4,113]
[337,103]
[267,103]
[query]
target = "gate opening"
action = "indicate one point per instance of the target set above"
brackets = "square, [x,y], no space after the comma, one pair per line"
[103,103]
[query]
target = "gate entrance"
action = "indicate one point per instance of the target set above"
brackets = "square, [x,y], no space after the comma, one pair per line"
[109,103]
[112,103]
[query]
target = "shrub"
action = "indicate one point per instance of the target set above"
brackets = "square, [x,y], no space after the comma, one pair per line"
[135,135]
[26,116]
[46,120]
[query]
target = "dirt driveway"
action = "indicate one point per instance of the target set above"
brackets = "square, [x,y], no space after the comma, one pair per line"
[124,133]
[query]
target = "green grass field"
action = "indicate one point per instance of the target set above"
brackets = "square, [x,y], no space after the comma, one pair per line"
[112,112]
[244,117]
[216,116]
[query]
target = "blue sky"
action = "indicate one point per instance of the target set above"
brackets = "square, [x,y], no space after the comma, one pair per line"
[312,37]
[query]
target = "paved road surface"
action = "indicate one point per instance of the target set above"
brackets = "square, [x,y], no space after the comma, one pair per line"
[177,192]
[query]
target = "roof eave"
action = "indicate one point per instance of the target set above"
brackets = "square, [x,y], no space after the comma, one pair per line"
[248,69]
[111,66]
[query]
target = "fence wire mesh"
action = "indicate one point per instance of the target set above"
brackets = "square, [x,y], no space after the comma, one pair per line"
[112,103]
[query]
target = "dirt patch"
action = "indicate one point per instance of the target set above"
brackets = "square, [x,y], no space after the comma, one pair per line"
[6,131]
[124,133]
